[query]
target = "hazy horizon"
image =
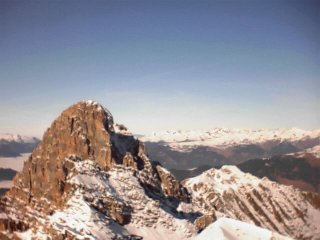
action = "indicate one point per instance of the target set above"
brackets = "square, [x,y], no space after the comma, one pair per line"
[161,65]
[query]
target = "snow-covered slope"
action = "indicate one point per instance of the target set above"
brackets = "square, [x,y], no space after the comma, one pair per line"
[241,196]
[148,218]
[223,137]
[230,229]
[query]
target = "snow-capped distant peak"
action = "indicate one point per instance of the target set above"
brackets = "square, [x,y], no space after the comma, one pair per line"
[228,136]
[17,138]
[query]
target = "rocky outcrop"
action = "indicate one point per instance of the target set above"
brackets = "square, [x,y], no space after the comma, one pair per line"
[170,185]
[205,220]
[84,130]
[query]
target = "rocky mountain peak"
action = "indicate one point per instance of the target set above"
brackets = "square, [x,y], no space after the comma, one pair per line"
[83,131]
[82,142]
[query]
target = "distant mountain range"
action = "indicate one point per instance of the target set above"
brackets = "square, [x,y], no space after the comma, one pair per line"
[222,146]
[224,137]
[301,169]
[13,145]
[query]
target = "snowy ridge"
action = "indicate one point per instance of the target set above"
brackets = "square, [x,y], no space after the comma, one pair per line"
[241,196]
[230,229]
[315,151]
[17,138]
[219,137]
[148,219]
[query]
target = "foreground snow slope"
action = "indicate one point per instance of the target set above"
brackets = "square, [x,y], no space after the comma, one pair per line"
[230,229]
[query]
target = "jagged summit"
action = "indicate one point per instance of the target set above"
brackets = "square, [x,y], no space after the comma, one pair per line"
[86,160]
[84,131]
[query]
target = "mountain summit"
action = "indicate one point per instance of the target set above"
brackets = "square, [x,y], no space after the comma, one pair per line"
[84,155]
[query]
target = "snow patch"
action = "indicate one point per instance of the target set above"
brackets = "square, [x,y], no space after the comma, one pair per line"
[17,138]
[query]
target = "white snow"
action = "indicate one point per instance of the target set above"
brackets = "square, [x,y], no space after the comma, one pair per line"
[82,221]
[230,229]
[90,102]
[147,219]
[223,137]
[17,138]
[39,234]
[228,177]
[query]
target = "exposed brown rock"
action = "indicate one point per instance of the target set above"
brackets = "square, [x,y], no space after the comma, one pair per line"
[205,220]
[128,161]
[11,225]
[81,130]
[170,185]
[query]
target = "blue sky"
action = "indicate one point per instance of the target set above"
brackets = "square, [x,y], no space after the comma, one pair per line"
[160,65]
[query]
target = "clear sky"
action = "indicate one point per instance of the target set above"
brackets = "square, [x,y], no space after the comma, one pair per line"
[160,65]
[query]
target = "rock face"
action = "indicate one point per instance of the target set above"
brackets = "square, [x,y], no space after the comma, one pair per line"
[81,130]
[170,185]
[204,221]
[84,131]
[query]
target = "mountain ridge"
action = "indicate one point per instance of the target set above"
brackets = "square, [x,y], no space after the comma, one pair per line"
[222,137]
[90,178]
